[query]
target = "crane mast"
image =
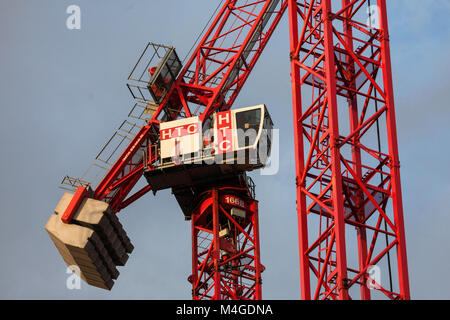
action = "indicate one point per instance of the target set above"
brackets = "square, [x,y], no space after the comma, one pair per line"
[346,178]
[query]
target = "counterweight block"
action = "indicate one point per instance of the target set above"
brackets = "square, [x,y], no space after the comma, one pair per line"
[94,241]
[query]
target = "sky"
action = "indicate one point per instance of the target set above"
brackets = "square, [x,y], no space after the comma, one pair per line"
[63,93]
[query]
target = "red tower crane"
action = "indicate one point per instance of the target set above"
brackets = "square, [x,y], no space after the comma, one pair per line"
[344,176]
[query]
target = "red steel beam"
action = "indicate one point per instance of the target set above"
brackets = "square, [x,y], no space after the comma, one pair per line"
[393,153]
[356,152]
[299,155]
[74,204]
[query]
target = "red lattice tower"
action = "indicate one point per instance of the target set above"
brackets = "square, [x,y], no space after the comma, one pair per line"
[346,177]
[225,251]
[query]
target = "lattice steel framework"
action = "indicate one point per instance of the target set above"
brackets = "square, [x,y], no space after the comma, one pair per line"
[346,178]
[225,253]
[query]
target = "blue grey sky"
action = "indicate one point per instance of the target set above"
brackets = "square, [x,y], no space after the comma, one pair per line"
[63,93]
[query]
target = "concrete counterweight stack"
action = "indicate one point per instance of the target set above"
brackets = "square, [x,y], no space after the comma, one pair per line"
[94,241]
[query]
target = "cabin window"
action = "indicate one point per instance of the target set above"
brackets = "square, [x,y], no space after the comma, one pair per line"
[164,76]
[247,124]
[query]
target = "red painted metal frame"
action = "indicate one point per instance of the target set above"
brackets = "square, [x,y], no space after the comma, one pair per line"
[346,66]
[225,268]
[74,204]
[210,81]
